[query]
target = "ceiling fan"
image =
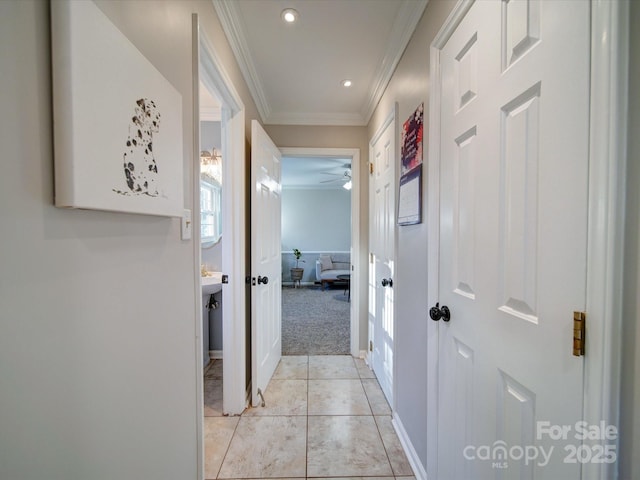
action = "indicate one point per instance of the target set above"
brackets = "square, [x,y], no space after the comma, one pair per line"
[342,177]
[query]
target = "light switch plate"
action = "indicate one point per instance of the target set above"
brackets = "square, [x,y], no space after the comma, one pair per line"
[186,224]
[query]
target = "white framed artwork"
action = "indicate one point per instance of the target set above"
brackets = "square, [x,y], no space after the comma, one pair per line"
[117,120]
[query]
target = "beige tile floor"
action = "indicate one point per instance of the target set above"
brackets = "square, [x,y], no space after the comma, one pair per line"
[325,416]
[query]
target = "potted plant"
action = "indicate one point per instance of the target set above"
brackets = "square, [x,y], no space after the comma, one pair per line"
[296,272]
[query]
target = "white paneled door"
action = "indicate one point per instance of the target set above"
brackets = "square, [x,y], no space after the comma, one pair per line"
[514,111]
[266,276]
[381,268]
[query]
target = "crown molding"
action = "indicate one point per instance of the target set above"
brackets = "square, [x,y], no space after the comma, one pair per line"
[234,29]
[404,26]
[339,119]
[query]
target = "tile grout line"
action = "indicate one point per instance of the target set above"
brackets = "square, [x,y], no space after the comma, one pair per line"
[373,416]
[224,457]
[366,396]
[386,452]
[307,433]
[384,446]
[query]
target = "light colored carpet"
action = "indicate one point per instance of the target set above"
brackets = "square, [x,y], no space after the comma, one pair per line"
[315,322]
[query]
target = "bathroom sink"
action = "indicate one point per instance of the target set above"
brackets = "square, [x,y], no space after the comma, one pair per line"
[211,284]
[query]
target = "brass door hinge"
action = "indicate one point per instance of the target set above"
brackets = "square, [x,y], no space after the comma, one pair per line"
[579,328]
[371,168]
[370,346]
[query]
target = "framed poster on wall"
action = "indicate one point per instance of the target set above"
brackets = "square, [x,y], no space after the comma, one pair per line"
[117,120]
[411,146]
[410,197]
[411,152]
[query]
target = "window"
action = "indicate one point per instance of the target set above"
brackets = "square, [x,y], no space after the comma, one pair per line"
[210,210]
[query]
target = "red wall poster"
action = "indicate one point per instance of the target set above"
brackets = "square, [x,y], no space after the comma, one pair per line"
[410,189]
[411,146]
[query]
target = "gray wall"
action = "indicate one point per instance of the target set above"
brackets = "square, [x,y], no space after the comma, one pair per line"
[214,332]
[630,415]
[97,365]
[317,220]
[96,353]
[210,135]
[98,346]
[409,87]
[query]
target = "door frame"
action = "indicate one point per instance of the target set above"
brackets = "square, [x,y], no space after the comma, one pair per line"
[390,120]
[216,80]
[358,264]
[607,163]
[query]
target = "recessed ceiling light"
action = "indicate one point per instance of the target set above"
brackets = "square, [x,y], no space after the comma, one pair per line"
[346,83]
[289,15]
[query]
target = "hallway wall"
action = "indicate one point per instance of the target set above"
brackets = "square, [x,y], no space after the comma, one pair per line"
[409,87]
[97,367]
[98,345]
[629,456]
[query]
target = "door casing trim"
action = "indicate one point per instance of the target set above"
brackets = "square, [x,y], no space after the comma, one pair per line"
[206,64]
[234,242]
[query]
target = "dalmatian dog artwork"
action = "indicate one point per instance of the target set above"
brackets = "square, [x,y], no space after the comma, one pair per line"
[140,168]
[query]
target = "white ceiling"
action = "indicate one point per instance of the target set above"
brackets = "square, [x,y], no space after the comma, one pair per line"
[294,71]
[315,172]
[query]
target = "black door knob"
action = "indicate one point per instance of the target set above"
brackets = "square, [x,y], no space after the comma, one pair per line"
[436,313]
[263,280]
[387,282]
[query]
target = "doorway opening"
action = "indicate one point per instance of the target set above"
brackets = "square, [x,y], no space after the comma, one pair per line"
[219,228]
[211,247]
[320,222]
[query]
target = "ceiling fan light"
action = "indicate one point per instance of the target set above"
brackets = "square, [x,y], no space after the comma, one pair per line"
[347,83]
[348,185]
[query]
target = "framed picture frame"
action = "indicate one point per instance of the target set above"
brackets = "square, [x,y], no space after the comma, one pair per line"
[117,120]
[411,144]
[410,197]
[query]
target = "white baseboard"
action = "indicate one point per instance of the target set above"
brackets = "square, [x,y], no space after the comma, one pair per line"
[215,354]
[303,284]
[363,355]
[418,469]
